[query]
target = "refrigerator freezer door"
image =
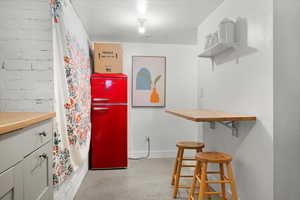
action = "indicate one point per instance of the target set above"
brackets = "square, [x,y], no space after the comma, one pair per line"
[109,137]
[109,90]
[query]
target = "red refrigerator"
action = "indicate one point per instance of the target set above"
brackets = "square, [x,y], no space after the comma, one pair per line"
[109,121]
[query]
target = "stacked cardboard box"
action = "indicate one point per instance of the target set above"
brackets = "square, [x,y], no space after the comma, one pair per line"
[108,58]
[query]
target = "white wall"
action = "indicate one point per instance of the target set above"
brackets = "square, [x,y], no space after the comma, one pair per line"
[26,76]
[245,88]
[286,99]
[164,130]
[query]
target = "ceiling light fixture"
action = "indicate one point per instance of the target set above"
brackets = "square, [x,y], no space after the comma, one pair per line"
[142,7]
[142,28]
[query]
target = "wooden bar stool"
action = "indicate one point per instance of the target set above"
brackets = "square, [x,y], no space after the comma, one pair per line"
[179,163]
[200,175]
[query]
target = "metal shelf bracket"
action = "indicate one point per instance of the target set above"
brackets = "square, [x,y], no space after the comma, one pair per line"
[233,125]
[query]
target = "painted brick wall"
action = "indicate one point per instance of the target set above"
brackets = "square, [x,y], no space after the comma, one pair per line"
[26,72]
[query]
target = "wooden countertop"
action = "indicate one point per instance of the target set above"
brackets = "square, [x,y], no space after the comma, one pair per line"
[209,115]
[11,121]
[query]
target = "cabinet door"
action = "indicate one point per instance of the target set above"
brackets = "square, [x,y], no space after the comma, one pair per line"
[11,184]
[37,174]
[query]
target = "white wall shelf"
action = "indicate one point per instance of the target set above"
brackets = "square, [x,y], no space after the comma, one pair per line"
[232,43]
[216,50]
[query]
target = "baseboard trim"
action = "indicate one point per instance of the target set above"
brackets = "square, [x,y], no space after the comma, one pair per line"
[159,154]
[68,189]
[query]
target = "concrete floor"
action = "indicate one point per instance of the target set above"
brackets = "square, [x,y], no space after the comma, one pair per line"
[143,180]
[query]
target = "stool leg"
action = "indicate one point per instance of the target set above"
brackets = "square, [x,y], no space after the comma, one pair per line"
[200,166]
[208,196]
[178,172]
[232,184]
[203,184]
[196,173]
[223,185]
[175,168]
[199,173]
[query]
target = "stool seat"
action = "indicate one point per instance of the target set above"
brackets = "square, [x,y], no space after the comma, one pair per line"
[190,145]
[213,157]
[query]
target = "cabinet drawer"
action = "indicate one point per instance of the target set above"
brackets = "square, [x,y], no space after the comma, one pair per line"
[37,135]
[11,149]
[37,174]
[11,186]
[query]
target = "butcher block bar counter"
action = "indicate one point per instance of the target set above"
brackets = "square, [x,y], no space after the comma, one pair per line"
[209,115]
[11,121]
[229,120]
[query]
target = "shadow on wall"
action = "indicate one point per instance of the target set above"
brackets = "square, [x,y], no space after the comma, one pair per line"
[228,140]
[249,150]
[234,54]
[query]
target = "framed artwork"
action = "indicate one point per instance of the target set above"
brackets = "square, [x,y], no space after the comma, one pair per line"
[148,81]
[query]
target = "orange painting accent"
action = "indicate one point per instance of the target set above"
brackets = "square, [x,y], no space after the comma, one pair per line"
[154,97]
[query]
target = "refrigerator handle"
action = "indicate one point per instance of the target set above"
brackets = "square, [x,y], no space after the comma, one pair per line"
[97,108]
[99,99]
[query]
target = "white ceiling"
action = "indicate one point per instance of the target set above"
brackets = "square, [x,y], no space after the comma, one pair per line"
[168,21]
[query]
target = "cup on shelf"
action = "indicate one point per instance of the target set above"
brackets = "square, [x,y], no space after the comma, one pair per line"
[227,31]
[241,32]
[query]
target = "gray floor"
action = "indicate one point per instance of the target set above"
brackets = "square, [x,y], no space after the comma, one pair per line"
[143,180]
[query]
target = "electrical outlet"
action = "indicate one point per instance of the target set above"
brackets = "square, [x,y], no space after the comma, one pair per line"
[147,138]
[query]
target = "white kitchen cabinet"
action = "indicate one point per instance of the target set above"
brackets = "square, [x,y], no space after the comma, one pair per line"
[26,163]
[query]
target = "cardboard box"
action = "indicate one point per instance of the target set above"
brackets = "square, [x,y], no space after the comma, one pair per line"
[107,58]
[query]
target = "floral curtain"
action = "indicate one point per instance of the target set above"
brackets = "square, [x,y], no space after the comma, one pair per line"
[72,91]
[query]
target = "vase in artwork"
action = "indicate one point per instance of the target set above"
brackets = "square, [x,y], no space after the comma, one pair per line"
[154,97]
